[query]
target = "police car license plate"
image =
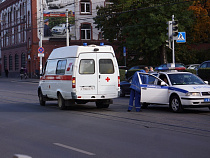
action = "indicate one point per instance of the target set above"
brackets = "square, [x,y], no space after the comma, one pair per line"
[87,88]
[206,99]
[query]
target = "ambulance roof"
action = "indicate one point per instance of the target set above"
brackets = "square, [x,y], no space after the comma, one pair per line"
[74,51]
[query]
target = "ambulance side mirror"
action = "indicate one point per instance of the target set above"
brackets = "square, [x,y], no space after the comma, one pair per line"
[206,82]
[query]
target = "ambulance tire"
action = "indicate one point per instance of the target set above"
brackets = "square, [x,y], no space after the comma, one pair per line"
[101,105]
[61,102]
[41,99]
[175,104]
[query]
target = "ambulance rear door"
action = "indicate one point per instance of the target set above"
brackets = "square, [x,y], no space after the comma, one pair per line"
[97,74]
[87,74]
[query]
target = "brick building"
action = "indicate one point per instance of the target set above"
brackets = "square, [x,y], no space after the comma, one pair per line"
[22,28]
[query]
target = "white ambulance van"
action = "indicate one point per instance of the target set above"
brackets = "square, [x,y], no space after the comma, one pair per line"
[80,74]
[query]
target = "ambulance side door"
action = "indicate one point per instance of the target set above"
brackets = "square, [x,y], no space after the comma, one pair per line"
[153,93]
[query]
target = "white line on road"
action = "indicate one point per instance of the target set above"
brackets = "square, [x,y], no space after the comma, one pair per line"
[75,149]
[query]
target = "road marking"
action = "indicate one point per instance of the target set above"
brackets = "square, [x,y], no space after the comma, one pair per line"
[75,149]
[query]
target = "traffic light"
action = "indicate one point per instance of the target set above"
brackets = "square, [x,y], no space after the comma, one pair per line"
[175,29]
[168,44]
[169,28]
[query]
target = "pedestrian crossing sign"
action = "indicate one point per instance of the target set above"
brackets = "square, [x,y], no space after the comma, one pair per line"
[181,37]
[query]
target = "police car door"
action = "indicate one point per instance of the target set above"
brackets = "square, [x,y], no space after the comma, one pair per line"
[108,74]
[153,93]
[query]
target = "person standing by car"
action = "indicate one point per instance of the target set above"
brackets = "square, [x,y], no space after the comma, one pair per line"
[151,69]
[135,92]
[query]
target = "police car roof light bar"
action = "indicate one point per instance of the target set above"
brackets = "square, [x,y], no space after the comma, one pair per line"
[169,68]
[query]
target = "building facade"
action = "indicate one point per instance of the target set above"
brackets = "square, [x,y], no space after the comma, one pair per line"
[22,31]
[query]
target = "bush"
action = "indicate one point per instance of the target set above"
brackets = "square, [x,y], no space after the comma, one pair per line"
[204,74]
[122,74]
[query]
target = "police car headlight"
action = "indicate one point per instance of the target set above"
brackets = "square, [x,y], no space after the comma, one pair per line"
[193,94]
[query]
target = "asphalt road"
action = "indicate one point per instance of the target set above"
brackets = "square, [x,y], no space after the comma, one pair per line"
[84,131]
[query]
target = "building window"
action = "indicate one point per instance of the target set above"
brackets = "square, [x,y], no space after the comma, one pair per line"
[10,62]
[85,6]
[108,4]
[16,62]
[86,31]
[23,60]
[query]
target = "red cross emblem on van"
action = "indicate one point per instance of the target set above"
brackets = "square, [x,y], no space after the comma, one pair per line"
[107,79]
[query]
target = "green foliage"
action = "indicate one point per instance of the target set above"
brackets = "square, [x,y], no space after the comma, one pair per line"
[122,74]
[141,26]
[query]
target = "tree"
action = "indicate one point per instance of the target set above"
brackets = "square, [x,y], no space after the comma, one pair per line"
[141,25]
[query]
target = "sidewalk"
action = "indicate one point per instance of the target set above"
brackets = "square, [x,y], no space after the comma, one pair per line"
[19,80]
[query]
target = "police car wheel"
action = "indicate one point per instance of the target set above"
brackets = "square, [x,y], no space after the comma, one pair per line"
[175,104]
[61,102]
[41,99]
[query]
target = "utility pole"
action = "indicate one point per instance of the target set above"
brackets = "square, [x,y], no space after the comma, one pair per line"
[67,27]
[41,30]
[173,55]
[172,36]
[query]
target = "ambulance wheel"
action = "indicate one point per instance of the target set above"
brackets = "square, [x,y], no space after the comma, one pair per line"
[41,99]
[175,104]
[101,105]
[61,102]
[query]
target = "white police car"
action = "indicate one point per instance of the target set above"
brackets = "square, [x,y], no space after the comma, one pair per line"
[179,90]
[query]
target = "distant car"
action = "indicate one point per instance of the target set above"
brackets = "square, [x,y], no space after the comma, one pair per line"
[57,3]
[205,64]
[176,65]
[125,85]
[192,66]
[134,68]
[59,29]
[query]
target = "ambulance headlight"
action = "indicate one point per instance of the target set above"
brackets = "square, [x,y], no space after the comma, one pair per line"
[193,94]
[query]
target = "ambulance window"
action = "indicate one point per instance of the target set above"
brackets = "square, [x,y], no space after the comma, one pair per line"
[61,66]
[106,66]
[51,66]
[87,66]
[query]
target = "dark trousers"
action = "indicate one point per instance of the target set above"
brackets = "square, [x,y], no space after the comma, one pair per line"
[134,95]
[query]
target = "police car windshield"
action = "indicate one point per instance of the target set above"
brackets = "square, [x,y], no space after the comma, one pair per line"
[185,79]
